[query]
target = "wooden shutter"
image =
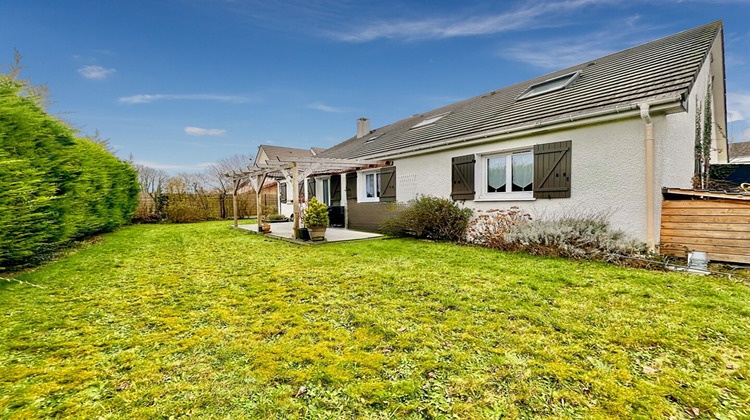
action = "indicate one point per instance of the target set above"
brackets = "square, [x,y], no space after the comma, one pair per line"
[282,191]
[463,177]
[388,184]
[351,186]
[335,185]
[552,167]
[310,188]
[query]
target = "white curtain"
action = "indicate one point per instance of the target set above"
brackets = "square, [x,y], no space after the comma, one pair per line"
[496,169]
[523,171]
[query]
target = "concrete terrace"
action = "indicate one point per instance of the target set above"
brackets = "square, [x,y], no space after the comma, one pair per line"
[285,230]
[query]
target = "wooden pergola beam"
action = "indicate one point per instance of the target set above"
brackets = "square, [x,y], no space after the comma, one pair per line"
[325,161]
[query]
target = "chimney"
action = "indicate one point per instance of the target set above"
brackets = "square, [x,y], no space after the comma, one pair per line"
[363,127]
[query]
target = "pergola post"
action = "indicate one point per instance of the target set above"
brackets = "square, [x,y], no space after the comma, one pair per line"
[295,194]
[258,187]
[236,186]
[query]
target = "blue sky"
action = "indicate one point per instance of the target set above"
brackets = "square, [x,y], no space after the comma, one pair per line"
[182,83]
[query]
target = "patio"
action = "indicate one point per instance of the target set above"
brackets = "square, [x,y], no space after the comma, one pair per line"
[285,231]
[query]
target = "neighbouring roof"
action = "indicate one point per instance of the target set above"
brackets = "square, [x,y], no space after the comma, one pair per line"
[274,152]
[739,152]
[664,68]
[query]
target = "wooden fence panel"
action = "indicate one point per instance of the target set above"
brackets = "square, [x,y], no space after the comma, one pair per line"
[215,206]
[721,228]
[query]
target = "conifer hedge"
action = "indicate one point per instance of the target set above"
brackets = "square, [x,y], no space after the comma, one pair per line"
[54,186]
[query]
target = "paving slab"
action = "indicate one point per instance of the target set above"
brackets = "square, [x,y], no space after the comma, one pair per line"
[285,230]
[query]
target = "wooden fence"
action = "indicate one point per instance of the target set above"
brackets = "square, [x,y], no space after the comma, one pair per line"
[212,207]
[721,228]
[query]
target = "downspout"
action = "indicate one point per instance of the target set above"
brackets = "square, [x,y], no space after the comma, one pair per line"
[649,139]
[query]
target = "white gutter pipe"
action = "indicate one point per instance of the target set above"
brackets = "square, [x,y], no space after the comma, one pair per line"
[561,123]
[649,140]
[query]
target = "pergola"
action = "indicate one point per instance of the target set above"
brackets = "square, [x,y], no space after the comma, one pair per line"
[292,169]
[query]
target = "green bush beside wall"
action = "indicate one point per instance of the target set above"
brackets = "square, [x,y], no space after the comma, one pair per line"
[54,186]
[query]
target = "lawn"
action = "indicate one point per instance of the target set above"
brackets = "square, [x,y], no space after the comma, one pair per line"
[203,321]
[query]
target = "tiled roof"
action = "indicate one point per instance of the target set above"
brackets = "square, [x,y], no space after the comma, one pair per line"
[274,152]
[739,150]
[660,69]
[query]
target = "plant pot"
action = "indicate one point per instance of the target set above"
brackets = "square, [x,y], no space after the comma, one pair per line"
[304,234]
[317,233]
[266,228]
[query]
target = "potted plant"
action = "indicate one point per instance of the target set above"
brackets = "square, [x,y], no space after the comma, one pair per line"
[316,219]
[303,233]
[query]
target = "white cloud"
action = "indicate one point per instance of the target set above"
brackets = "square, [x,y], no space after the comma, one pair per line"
[738,106]
[326,108]
[557,54]
[95,72]
[564,52]
[745,135]
[197,131]
[145,99]
[531,16]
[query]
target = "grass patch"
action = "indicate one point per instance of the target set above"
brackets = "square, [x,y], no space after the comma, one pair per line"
[201,320]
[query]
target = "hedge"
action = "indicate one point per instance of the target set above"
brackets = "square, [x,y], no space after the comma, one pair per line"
[54,186]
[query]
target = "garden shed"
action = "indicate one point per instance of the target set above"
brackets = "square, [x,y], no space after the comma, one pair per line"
[717,223]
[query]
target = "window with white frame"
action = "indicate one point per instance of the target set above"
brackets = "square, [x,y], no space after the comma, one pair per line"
[326,192]
[368,186]
[507,175]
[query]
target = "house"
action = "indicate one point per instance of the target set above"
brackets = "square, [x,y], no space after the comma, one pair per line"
[604,136]
[739,152]
[267,153]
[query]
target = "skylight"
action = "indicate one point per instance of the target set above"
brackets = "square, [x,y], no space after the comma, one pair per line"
[372,139]
[430,120]
[549,86]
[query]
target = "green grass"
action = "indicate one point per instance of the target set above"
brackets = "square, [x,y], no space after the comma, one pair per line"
[203,321]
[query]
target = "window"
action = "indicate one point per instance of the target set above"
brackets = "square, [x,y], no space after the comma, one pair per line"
[282,191]
[508,175]
[368,183]
[326,192]
[310,188]
[514,175]
[549,86]
[375,185]
[430,120]
[372,185]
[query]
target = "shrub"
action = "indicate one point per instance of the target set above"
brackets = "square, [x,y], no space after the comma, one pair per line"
[185,209]
[186,199]
[316,214]
[430,217]
[585,236]
[489,228]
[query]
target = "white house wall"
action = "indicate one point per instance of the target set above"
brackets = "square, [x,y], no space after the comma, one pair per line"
[607,176]
[286,209]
